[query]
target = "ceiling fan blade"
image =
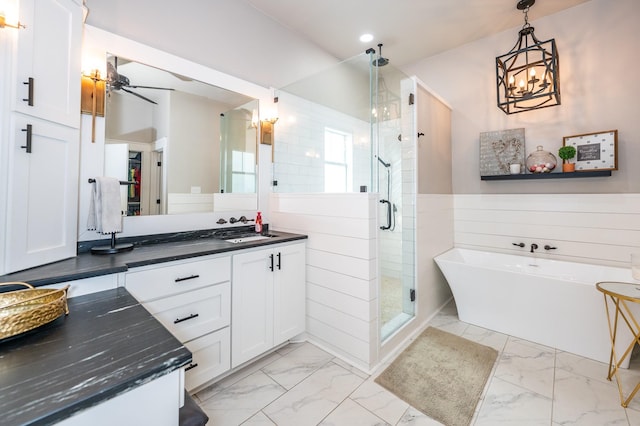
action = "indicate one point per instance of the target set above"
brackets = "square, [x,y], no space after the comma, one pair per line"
[149,87]
[138,95]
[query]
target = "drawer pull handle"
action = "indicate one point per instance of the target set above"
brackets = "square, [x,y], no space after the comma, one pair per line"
[29,98]
[279,260]
[192,316]
[191,366]
[192,277]
[271,262]
[29,131]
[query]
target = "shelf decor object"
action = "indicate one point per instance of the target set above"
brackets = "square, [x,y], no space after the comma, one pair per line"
[27,309]
[528,76]
[500,149]
[567,152]
[541,161]
[595,151]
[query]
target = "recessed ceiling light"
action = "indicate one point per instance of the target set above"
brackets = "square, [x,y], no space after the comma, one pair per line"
[366,38]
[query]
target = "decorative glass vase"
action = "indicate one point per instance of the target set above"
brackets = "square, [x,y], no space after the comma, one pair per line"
[541,161]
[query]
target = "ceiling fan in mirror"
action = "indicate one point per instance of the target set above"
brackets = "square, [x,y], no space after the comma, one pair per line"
[117,81]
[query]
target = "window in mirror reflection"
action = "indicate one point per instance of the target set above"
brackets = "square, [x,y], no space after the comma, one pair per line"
[181,132]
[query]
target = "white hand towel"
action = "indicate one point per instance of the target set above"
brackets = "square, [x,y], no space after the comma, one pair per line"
[104,210]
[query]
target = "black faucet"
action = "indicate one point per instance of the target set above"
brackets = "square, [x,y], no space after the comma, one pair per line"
[534,246]
[244,220]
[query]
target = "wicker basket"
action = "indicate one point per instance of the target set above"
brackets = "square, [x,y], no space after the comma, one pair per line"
[24,310]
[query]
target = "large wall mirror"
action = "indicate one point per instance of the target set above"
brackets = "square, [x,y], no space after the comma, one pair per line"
[183,142]
[200,124]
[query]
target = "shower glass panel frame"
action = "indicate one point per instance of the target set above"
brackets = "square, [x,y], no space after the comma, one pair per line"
[393,163]
[369,105]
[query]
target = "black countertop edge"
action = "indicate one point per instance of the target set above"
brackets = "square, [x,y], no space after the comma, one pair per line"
[171,237]
[87,265]
[64,367]
[234,247]
[76,276]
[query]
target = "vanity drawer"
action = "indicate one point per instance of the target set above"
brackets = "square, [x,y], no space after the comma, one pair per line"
[193,313]
[211,357]
[167,279]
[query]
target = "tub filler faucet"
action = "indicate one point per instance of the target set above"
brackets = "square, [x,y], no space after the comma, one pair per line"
[534,246]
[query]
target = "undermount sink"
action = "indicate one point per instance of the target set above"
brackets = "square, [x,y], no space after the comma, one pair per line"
[248,239]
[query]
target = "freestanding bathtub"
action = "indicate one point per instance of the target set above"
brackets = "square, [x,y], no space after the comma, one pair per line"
[554,303]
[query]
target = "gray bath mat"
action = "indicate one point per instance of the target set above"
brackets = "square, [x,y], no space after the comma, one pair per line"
[442,375]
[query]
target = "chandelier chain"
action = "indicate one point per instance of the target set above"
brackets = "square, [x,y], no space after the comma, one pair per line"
[526,17]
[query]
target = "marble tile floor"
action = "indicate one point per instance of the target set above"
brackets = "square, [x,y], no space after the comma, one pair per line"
[300,384]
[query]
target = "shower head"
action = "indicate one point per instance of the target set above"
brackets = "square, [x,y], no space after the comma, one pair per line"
[380,61]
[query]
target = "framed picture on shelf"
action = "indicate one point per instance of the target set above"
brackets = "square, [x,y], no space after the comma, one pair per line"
[499,150]
[595,151]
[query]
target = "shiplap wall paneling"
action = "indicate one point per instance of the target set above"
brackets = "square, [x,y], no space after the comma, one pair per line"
[342,299]
[588,228]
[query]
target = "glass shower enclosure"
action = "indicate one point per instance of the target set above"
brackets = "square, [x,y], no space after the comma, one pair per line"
[355,132]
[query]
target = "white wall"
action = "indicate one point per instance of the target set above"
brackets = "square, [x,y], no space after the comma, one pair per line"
[299,146]
[342,286]
[226,35]
[194,144]
[598,44]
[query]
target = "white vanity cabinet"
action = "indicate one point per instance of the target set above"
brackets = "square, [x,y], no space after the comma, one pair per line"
[268,299]
[40,162]
[191,298]
[47,61]
[42,193]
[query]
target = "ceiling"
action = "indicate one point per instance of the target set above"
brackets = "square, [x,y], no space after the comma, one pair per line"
[277,42]
[409,29]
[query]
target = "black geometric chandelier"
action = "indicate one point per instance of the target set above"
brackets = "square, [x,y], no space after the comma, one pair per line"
[528,77]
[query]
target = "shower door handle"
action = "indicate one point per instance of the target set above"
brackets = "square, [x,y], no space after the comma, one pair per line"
[388,203]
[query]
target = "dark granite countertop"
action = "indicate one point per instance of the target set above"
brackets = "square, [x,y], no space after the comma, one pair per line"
[107,345]
[87,265]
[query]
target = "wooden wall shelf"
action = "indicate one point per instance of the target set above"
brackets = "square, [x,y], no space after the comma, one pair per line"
[532,176]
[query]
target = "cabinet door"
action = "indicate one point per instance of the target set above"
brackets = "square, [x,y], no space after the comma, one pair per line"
[289,292]
[42,193]
[252,305]
[49,52]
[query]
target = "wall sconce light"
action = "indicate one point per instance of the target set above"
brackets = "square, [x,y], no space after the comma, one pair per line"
[266,131]
[3,23]
[528,77]
[92,98]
